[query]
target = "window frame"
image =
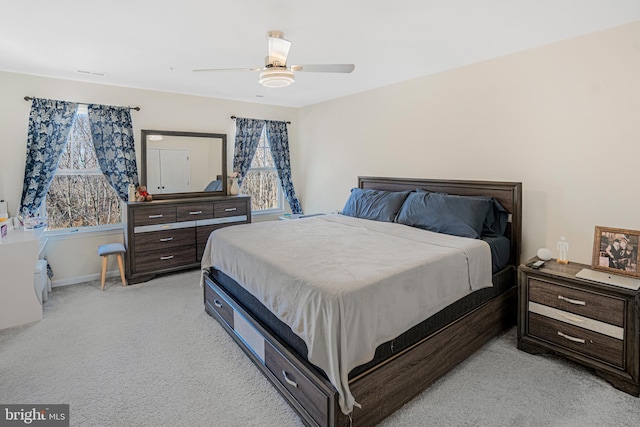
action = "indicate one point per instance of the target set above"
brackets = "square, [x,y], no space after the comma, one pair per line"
[101,228]
[264,143]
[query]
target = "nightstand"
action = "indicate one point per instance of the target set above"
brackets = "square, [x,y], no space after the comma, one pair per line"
[591,323]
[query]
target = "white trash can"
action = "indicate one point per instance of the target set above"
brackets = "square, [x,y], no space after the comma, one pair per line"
[40,281]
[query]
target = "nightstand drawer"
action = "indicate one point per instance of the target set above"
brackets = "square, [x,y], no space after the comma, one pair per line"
[586,342]
[588,304]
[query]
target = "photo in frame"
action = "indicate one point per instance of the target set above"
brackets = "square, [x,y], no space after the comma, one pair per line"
[615,250]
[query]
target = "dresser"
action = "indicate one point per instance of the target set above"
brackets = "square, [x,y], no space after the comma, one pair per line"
[170,235]
[591,323]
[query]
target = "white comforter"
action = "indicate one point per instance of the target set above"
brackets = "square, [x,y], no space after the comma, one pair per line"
[346,285]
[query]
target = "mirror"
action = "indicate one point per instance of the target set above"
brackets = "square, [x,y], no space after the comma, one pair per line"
[183,164]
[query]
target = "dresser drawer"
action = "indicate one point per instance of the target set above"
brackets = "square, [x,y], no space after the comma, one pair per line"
[156,240]
[229,208]
[588,304]
[194,211]
[154,215]
[203,231]
[299,386]
[218,304]
[202,236]
[584,341]
[165,258]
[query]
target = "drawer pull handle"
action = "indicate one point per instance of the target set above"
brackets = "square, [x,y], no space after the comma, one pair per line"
[166,239]
[571,301]
[230,209]
[156,216]
[217,303]
[195,213]
[289,381]
[164,258]
[570,338]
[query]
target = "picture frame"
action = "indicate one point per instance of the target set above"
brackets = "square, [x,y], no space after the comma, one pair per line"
[615,250]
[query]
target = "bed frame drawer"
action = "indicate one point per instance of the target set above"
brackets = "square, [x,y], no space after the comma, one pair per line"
[298,385]
[313,398]
[218,304]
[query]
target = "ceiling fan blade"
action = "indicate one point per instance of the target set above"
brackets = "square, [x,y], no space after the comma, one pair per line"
[278,49]
[324,68]
[226,69]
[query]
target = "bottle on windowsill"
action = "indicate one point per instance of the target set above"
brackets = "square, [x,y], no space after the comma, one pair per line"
[563,248]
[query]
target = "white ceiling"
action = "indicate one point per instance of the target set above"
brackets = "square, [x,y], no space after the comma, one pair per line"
[154,44]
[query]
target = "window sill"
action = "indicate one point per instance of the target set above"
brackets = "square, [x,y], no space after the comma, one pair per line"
[267,215]
[84,232]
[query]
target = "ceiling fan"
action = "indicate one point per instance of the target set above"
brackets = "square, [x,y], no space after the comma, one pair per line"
[275,72]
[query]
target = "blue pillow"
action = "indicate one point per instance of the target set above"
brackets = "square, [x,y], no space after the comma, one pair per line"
[377,205]
[443,213]
[495,223]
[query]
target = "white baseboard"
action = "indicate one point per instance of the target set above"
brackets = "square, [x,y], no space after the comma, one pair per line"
[83,279]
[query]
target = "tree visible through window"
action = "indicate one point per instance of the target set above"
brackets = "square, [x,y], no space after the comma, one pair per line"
[79,195]
[261,182]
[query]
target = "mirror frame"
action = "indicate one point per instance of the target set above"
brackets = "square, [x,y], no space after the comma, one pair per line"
[166,196]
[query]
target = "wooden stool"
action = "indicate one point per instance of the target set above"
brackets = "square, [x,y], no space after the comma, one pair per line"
[104,251]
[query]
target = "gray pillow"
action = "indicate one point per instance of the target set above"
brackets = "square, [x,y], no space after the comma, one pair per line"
[377,205]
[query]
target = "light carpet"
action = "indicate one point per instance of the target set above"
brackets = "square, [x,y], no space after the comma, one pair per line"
[148,355]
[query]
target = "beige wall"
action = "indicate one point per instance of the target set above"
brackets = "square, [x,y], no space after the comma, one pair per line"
[76,258]
[563,119]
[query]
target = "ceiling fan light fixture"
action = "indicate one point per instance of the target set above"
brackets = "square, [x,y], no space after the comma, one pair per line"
[276,77]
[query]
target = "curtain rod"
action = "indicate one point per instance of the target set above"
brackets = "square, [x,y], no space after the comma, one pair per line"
[29,98]
[234,117]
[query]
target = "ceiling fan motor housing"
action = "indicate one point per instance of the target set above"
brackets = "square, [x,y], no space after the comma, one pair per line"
[276,77]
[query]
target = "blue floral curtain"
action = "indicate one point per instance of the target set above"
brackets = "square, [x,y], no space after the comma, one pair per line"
[50,122]
[248,133]
[112,135]
[279,143]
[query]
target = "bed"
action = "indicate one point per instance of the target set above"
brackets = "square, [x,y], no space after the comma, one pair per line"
[355,380]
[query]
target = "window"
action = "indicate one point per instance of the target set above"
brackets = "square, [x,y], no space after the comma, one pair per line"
[261,182]
[79,195]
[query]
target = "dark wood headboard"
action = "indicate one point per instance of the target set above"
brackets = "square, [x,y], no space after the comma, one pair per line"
[509,194]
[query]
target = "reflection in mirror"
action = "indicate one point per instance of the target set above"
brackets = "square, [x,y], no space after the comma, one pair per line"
[175,163]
